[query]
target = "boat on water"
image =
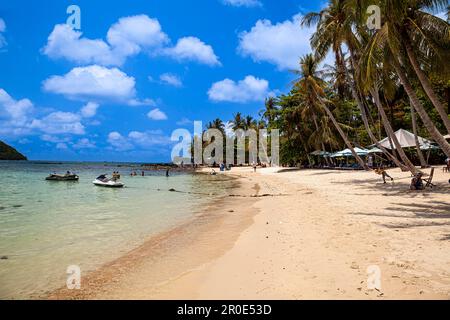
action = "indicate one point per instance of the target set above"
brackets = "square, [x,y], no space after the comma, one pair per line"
[62,177]
[104,181]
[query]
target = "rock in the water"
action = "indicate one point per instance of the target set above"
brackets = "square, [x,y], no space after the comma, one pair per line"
[4,257]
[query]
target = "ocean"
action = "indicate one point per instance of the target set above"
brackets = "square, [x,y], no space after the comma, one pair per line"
[46,226]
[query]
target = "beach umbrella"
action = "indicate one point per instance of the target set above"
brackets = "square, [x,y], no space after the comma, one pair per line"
[405,138]
[429,146]
[348,153]
[375,150]
[320,153]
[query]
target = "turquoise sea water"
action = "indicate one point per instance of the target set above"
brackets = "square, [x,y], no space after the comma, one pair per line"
[45,226]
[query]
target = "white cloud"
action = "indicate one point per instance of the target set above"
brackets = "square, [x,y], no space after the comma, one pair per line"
[54,139]
[17,110]
[131,34]
[125,38]
[144,102]
[64,42]
[84,143]
[281,44]
[89,110]
[243,3]
[61,146]
[157,114]
[119,142]
[171,79]
[193,49]
[93,82]
[184,122]
[246,90]
[148,138]
[137,139]
[2,29]
[17,119]
[59,123]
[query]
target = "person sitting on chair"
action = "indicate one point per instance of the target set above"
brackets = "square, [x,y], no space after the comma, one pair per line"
[416,182]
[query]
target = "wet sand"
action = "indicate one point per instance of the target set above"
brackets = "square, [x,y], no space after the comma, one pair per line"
[309,234]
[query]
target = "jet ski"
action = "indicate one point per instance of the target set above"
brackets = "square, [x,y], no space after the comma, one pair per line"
[60,177]
[103,181]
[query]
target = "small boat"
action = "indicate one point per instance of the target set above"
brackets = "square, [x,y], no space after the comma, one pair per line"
[60,177]
[103,181]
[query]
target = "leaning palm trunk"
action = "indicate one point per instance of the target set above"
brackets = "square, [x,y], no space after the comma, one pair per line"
[390,133]
[321,143]
[427,86]
[344,137]
[417,105]
[364,117]
[423,163]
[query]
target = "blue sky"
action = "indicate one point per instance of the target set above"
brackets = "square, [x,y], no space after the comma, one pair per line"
[136,70]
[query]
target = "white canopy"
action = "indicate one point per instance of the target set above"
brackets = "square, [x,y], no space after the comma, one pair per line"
[447,136]
[406,140]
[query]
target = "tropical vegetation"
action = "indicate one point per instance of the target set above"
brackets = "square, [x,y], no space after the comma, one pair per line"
[395,76]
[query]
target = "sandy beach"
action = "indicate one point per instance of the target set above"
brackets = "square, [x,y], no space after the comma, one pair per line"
[307,234]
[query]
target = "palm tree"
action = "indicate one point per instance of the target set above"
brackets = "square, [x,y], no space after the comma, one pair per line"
[216,124]
[313,87]
[428,34]
[270,110]
[386,46]
[238,121]
[335,27]
[250,123]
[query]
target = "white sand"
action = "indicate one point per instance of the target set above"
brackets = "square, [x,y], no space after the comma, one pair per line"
[313,239]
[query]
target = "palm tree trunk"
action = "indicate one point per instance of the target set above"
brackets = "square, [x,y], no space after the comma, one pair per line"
[357,98]
[423,163]
[317,129]
[344,137]
[391,134]
[427,86]
[417,105]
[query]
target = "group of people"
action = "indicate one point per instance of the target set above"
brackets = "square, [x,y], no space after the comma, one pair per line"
[115,176]
[134,173]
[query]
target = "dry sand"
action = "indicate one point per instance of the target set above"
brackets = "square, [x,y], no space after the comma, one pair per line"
[310,234]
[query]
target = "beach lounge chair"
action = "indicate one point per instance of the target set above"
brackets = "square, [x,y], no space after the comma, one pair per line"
[429,180]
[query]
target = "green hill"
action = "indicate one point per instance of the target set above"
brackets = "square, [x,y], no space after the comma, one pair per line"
[9,153]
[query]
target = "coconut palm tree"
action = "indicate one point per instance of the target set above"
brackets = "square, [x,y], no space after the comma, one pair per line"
[335,27]
[386,47]
[312,85]
[238,121]
[270,110]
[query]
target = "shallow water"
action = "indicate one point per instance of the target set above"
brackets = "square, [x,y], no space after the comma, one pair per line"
[45,226]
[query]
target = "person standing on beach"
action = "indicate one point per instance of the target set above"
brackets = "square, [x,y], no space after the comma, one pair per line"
[167,172]
[254,167]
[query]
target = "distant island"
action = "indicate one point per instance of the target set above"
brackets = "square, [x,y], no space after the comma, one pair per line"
[9,153]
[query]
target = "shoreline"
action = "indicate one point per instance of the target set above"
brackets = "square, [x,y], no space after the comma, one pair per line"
[313,236]
[187,234]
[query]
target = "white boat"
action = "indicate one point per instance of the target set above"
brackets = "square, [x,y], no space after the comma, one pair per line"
[103,181]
